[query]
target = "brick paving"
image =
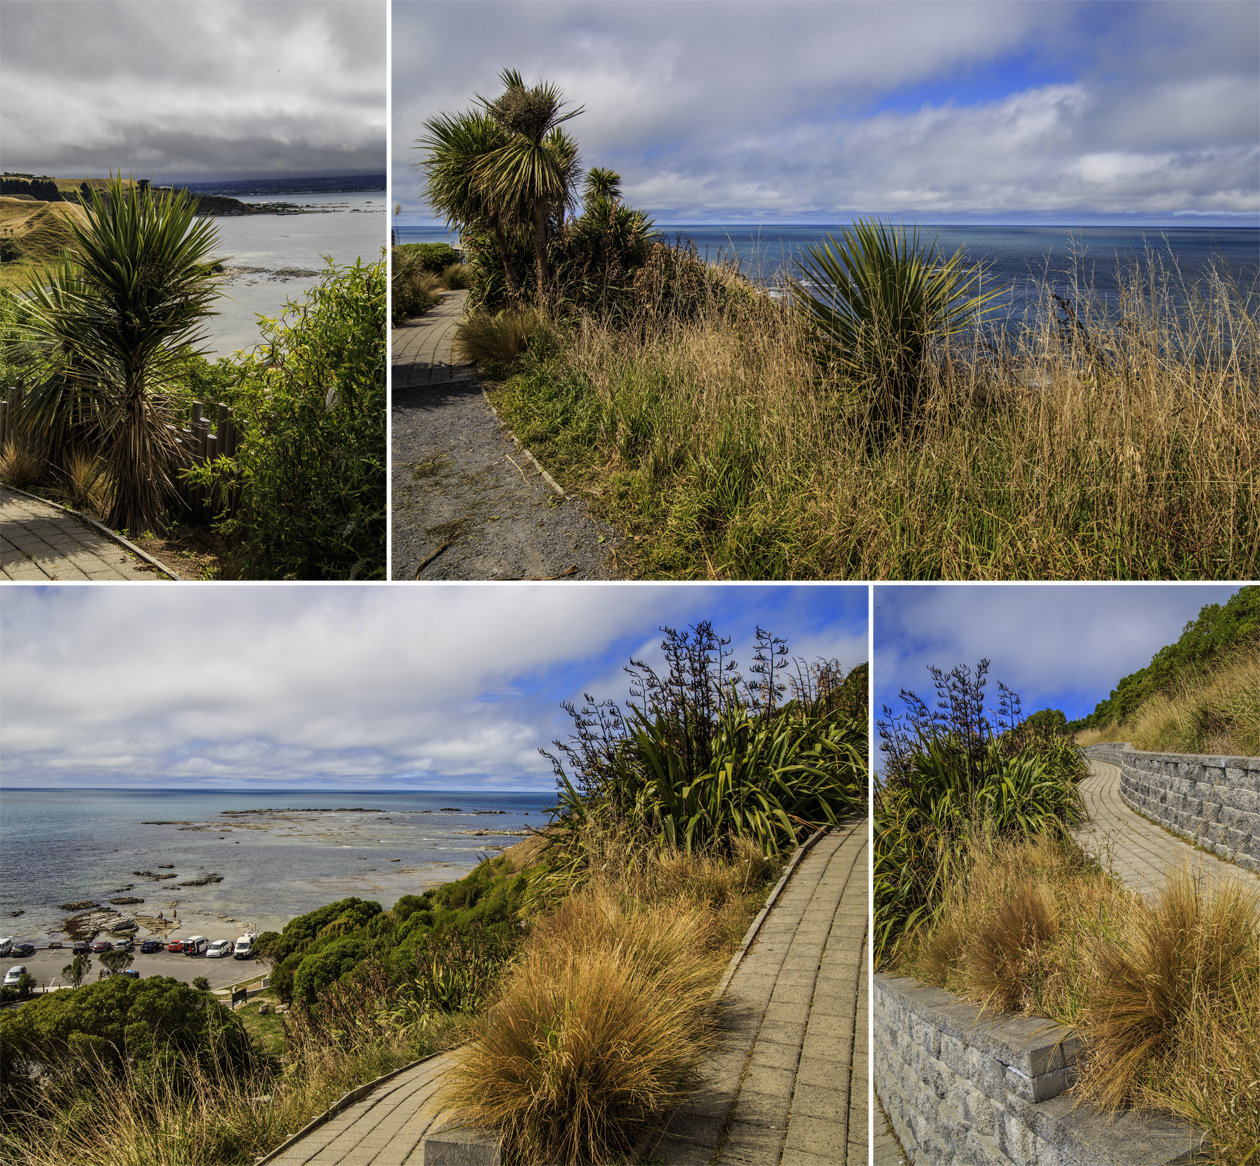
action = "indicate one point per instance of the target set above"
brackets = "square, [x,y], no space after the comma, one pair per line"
[789,1084]
[43,543]
[1140,853]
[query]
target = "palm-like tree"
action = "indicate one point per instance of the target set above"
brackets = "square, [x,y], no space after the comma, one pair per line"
[535,170]
[455,145]
[109,327]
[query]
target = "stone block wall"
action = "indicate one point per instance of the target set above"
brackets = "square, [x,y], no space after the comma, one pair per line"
[1214,801]
[965,1090]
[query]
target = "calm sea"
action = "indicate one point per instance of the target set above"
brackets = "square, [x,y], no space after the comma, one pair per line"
[1018,260]
[70,845]
[345,226]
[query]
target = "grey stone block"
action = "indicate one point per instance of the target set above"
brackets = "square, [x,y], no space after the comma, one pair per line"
[461,1147]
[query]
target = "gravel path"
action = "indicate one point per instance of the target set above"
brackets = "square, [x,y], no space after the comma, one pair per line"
[1136,850]
[467,501]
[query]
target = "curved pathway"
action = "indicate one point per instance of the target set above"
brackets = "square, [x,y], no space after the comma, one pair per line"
[43,543]
[788,1084]
[1135,849]
[467,502]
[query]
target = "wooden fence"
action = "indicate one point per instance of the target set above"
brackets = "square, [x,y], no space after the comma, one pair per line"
[201,440]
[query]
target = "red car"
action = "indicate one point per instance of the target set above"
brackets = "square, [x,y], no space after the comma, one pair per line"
[102,945]
[175,945]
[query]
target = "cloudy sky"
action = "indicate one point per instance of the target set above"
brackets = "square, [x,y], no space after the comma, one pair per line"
[1059,112]
[1061,647]
[181,91]
[438,687]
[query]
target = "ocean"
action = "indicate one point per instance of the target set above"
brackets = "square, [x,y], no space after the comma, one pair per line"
[279,853]
[276,258]
[1018,260]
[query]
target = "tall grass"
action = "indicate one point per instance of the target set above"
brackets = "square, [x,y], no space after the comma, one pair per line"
[600,1028]
[1216,712]
[1123,448]
[1163,993]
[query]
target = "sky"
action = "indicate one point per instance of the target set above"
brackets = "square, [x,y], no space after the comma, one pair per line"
[950,111]
[1058,646]
[350,687]
[186,91]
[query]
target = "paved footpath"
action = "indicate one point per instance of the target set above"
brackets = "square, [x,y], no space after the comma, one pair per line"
[1135,849]
[789,1082]
[467,503]
[43,543]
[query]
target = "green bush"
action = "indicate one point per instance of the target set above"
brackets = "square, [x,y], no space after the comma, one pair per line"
[310,469]
[495,343]
[433,257]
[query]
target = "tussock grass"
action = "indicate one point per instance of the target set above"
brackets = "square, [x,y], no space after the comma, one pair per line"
[1165,993]
[600,1027]
[1217,712]
[495,342]
[21,464]
[723,448]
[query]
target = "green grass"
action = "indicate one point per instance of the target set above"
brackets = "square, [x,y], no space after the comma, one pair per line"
[723,449]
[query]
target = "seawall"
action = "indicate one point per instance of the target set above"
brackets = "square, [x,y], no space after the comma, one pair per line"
[1212,801]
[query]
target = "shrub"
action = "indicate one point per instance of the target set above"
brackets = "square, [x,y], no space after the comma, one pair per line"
[310,468]
[21,463]
[879,300]
[456,276]
[495,343]
[413,287]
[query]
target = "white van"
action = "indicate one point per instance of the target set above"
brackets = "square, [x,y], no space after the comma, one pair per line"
[218,949]
[196,945]
[244,949]
[6,944]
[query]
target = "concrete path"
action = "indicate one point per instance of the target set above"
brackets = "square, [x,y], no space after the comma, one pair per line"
[386,1128]
[467,502]
[43,543]
[790,1084]
[1135,849]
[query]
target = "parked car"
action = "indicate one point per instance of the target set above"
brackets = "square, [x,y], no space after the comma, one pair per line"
[80,947]
[102,945]
[23,949]
[196,945]
[244,949]
[124,944]
[131,973]
[218,949]
[14,974]
[56,943]
[175,945]
[151,945]
[6,944]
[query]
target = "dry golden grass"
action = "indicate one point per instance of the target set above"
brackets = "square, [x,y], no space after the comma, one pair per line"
[21,464]
[724,451]
[599,1028]
[1215,713]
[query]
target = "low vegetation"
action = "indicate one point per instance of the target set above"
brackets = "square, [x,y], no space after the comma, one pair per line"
[574,972]
[1198,695]
[419,272]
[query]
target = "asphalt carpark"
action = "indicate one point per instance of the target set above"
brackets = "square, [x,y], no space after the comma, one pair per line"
[46,967]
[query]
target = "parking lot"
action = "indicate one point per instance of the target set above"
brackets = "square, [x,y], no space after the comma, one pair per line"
[46,967]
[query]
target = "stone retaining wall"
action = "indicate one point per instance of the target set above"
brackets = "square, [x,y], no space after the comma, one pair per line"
[1214,801]
[962,1089]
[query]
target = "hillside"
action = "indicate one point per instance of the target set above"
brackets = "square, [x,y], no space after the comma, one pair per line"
[1200,694]
[41,231]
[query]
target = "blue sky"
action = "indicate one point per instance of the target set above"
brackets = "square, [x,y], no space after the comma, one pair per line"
[1058,646]
[1059,112]
[349,687]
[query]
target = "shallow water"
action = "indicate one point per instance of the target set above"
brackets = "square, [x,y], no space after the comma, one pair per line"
[344,226]
[67,846]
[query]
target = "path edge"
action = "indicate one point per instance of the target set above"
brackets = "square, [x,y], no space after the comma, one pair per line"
[101,528]
[519,444]
[358,1093]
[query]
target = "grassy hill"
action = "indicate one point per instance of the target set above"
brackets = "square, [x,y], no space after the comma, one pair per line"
[40,229]
[1200,694]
